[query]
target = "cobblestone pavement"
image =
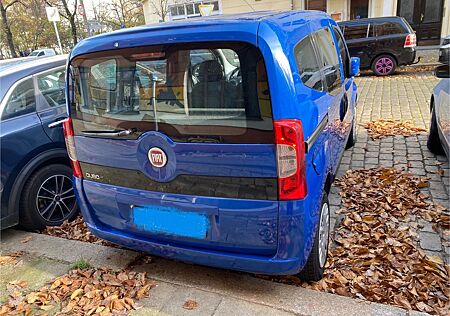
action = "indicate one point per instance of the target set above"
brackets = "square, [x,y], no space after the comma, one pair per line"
[400,97]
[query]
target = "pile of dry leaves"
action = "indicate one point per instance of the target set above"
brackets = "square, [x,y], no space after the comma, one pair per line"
[376,256]
[75,230]
[385,127]
[81,292]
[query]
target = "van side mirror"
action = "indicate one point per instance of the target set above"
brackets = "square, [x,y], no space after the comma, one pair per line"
[354,66]
[442,71]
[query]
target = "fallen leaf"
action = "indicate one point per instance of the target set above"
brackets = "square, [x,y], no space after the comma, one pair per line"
[190,305]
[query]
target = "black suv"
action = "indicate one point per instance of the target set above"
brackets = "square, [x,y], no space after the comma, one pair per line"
[382,44]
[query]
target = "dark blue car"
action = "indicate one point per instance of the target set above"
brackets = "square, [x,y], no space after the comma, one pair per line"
[224,160]
[36,187]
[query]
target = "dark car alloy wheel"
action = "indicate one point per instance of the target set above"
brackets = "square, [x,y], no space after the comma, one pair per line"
[55,200]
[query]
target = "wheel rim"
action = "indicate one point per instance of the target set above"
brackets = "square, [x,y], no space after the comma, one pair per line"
[55,200]
[324,229]
[384,65]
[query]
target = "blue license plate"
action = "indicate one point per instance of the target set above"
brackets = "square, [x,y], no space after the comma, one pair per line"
[171,221]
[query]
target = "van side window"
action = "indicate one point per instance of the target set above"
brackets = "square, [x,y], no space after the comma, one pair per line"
[330,61]
[22,100]
[345,57]
[308,65]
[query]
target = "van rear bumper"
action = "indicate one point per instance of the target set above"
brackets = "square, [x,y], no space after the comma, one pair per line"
[253,264]
[292,253]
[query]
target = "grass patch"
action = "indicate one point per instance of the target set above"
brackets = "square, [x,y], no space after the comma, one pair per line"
[81,264]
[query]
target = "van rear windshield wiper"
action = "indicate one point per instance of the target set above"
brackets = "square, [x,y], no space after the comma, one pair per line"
[125,132]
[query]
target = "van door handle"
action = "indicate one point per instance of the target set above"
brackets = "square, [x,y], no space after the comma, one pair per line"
[57,123]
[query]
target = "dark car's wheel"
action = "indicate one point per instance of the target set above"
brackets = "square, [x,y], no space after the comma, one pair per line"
[352,138]
[434,143]
[313,270]
[384,65]
[48,198]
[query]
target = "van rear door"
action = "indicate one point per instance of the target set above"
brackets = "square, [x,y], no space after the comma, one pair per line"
[176,144]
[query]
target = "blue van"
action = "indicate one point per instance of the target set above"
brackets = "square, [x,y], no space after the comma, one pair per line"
[214,140]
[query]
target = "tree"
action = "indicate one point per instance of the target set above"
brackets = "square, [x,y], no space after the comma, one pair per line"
[31,28]
[119,13]
[160,8]
[4,6]
[65,11]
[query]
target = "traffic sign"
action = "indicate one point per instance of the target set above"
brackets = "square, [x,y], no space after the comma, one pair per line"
[206,9]
[52,14]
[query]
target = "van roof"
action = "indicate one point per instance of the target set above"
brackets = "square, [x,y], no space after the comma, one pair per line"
[243,23]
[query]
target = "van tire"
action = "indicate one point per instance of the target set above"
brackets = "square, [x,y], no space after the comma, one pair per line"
[352,137]
[313,269]
[384,65]
[29,215]
[433,142]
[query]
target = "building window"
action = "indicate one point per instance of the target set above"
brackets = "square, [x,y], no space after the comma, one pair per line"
[320,5]
[359,9]
[191,10]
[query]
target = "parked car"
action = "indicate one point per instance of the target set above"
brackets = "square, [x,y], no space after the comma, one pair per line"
[439,136]
[229,165]
[382,44]
[444,51]
[44,52]
[36,187]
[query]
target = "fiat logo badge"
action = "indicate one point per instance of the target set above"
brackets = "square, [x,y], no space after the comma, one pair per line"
[157,157]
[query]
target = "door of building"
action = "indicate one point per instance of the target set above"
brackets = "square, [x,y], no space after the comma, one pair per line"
[425,17]
[359,9]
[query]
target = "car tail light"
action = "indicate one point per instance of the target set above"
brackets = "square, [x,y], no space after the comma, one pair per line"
[70,144]
[290,159]
[410,40]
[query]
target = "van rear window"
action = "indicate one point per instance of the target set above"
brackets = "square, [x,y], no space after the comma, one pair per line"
[205,92]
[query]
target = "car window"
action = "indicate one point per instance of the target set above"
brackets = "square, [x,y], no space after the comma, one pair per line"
[41,54]
[183,90]
[308,65]
[22,100]
[358,31]
[343,51]
[389,28]
[52,87]
[330,60]
[103,75]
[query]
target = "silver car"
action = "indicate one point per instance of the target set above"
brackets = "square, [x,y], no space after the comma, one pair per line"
[439,137]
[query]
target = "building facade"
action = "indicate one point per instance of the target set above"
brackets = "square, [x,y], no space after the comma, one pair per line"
[429,18]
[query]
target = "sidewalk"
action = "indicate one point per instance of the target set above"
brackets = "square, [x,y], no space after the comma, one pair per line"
[217,292]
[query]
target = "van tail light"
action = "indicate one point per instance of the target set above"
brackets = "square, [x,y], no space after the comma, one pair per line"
[70,144]
[291,163]
[410,40]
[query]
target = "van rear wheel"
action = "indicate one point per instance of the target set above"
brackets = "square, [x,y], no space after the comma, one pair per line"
[384,65]
[48,198]
[315,266]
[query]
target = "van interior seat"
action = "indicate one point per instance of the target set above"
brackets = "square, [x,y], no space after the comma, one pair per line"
[212,88]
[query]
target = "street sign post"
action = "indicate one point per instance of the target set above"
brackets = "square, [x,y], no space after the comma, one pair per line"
[53,16]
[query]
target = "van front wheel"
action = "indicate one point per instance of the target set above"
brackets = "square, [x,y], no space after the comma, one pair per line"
[315,266]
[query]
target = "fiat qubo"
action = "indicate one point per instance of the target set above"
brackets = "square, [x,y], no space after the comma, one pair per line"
[214,140]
